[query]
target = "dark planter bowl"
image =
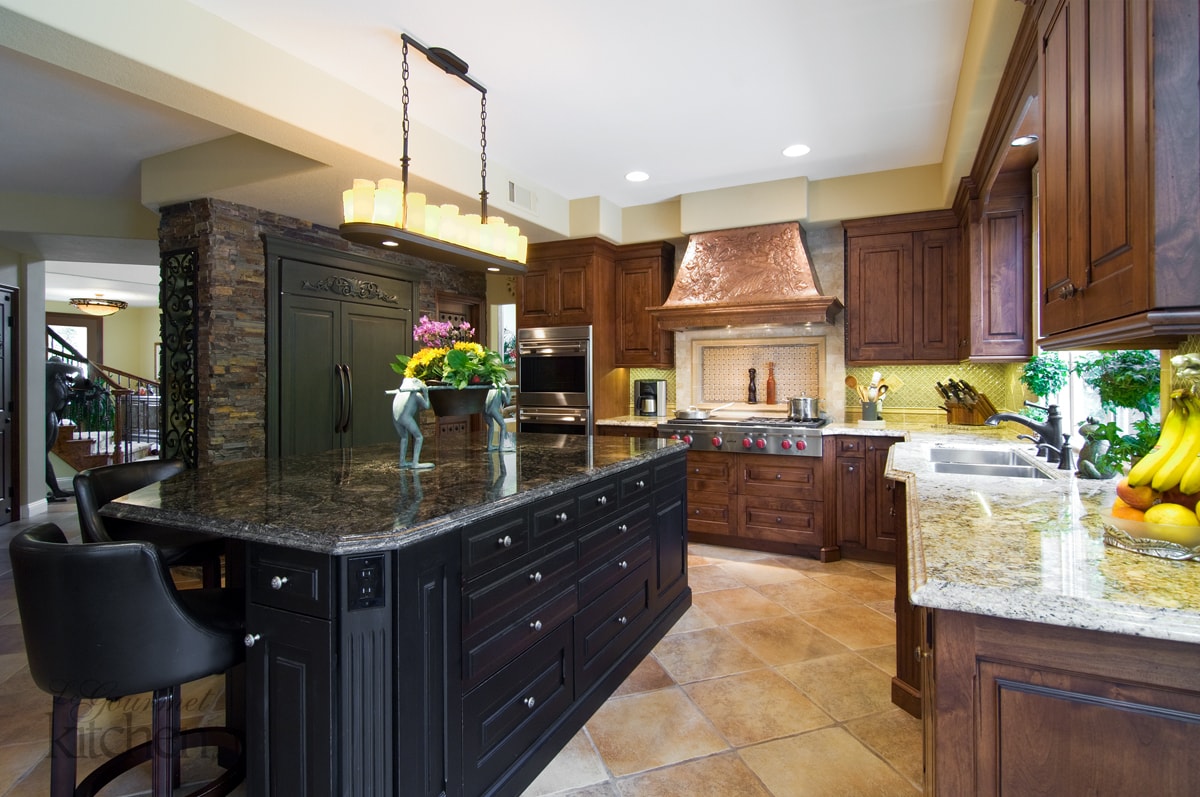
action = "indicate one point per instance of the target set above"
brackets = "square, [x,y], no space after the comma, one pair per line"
[447,401]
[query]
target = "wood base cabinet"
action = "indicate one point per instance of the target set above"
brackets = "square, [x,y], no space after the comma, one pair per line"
[1024,708]
[865,504]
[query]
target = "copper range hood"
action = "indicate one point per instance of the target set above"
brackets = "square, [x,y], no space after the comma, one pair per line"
[747,276]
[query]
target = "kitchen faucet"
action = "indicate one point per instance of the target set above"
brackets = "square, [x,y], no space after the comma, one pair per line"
[1049,438]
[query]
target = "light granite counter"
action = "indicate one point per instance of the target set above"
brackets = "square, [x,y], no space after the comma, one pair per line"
[359,499]
[1032,549]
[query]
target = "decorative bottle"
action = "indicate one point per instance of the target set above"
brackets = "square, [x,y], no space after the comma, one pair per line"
[770,383]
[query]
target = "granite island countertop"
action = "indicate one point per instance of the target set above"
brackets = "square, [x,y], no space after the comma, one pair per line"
[359,499]
[1033,549]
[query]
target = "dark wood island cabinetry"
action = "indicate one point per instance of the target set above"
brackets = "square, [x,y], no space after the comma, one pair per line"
[444,631]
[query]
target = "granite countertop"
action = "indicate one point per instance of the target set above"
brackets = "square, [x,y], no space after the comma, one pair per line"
[1032,549]
[359,499]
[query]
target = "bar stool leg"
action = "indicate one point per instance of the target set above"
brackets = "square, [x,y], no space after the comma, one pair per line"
[64,733]
[163,754]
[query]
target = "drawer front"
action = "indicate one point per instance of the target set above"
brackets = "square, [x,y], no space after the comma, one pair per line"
[506,715]
[851,446]
[505,592]
[782,520]
[494,543]
[613,569]
[552,520]
[711,513]
[669,471]
[605,629]
[299,581]
[487,654]
[612,533]
[709,472]
[599,499]
[636,486]
[781,477]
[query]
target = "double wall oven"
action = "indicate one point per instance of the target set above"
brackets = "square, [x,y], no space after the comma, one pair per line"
[554,372]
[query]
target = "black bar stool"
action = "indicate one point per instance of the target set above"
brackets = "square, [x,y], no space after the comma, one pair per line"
[104,621]
[95,487]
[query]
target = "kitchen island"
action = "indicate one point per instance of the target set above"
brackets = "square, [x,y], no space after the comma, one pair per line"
[1051,663]
[442,631]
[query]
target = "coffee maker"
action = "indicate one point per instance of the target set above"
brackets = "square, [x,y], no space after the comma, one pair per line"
[650,397]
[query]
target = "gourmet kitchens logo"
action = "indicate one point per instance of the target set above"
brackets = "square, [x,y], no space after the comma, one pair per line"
[109,727]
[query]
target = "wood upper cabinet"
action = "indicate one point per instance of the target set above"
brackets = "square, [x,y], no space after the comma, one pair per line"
[1120,163]
[566,283]
[642,280]
[901,288]
[994,287]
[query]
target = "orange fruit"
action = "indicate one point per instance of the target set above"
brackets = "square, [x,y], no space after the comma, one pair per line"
[1142,497]
[1172,515]
[1123,510]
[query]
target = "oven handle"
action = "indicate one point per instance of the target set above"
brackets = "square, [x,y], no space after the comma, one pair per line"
[552,349]
[564,415]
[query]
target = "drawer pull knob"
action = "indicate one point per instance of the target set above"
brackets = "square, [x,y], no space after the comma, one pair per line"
[249,639]
[277,582]
[778,520]
[505,541]
[561,517]
[624,527]
[778,476]
[851,469]
[602,500]
[640,484]
[529,702]
[536,577]
[536,625]
[623,620]
[623,564]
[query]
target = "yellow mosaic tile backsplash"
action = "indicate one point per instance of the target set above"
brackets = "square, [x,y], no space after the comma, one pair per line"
[999,381]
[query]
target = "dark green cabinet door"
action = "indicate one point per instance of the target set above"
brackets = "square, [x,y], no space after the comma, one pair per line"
[310,389]
[371,339]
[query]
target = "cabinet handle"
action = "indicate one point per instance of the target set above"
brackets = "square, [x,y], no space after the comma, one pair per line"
[277,582]
[602,500]
[529,702]
[850,469]
[695,470]
[623,620]
[536,578]
[892,511]
[561,517]
[778,476]
[917,653]
[536,625]
[778,520]
[505,541]
[695,511]
[624,527]
[639,484]
[623,564]
[249,639]
[1067,291]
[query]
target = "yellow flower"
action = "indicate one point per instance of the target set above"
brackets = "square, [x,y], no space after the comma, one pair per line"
[471,348]
[420,361]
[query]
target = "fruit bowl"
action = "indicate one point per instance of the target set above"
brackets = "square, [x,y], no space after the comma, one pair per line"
[1154,539]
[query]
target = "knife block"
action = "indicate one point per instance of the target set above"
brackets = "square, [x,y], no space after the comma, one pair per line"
[973,415]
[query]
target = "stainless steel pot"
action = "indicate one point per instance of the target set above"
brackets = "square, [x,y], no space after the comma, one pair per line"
[803,408]
[696,414]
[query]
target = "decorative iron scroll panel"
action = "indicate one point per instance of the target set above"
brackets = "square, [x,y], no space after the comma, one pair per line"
[177,298]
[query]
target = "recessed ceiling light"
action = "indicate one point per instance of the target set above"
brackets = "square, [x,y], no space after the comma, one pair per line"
[1024,141]
[637,177]
[796,150]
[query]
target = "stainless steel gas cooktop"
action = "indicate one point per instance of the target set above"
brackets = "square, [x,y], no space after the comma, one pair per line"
[759,435]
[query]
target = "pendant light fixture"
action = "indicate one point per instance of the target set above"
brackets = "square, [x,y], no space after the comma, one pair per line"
[389,216]
[98,305]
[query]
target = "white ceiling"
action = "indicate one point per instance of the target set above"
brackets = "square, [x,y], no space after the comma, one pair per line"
[700,94]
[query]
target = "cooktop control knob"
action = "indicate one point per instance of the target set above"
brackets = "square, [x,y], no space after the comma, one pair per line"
[747,442]
[760,443]
[801,445]
[785,445]
[687,438]
[674,437]
[716,441]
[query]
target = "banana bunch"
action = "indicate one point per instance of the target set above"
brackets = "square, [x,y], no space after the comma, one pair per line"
[1174,462]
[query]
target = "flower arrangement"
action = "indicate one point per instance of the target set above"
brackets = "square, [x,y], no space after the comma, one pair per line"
[450,356]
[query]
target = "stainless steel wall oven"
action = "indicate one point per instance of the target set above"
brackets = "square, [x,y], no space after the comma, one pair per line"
[554,372]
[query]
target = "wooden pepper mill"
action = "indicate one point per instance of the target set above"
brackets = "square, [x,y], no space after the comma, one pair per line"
[770,383]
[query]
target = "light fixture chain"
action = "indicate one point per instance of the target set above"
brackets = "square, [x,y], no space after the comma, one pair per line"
[404,130]
[483,193]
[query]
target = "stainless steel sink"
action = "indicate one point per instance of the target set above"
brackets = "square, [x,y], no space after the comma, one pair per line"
[986,469]
[977,456]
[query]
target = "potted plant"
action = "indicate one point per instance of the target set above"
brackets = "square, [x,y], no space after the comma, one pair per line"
[1128,379]
[1044,375]
[458,370]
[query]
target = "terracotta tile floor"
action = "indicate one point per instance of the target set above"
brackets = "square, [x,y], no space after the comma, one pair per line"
[776,682]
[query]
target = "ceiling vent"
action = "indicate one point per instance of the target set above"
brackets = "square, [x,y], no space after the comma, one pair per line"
[522,197]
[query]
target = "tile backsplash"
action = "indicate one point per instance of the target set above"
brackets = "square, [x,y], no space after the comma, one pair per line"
[725,370]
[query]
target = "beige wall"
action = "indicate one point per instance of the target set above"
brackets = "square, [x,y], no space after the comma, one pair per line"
[129,338]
